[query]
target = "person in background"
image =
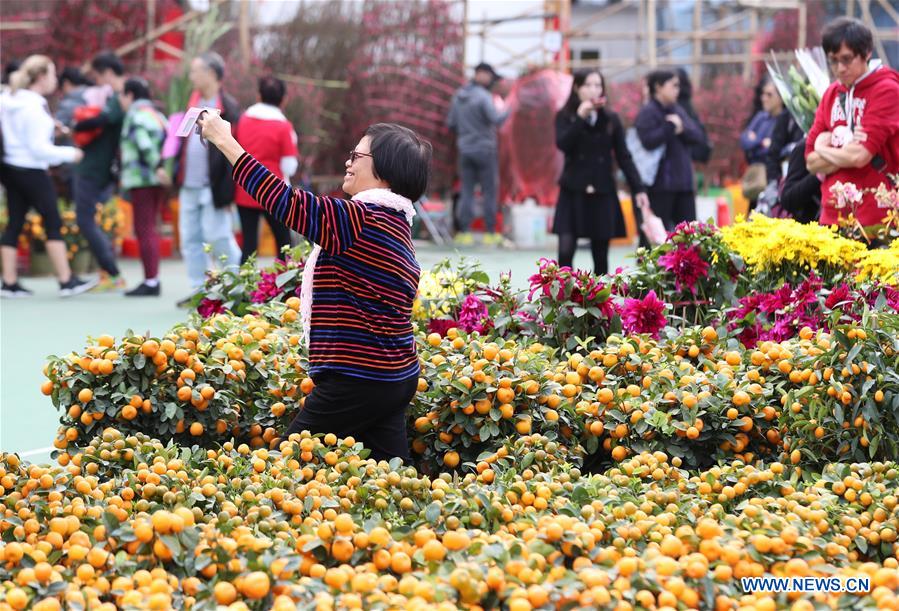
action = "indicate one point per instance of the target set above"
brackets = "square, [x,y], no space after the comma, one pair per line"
[590,136]
[855,136]
[72,85]
[204,177]
[94,177]
[143,133]
[784,138]
[474,118]
[265,133]
[756,137]
[800,194]
[702,152]
[663,122]
[28,151]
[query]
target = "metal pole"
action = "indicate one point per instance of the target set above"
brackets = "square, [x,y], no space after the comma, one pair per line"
[244,25]
[753,29]
[151,23]
[803,24]
[697,42]
[651,34]
[464,36]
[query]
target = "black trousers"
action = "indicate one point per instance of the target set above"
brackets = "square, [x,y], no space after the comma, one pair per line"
[673,207]
[372,412]
[249,227]
[29,188]
[599,249]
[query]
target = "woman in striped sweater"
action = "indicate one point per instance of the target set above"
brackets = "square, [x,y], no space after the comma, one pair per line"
[358,284]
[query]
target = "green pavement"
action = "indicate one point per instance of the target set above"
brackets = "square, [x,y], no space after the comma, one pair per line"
[31,329]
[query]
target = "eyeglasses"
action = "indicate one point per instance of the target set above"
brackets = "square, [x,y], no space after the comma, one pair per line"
[843,60]
[354,155]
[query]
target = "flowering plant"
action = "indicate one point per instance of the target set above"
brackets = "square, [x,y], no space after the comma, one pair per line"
[693,269]
[849,196]
[239,290]
[779,315]
[565,305]
[879,265]
[442,291]
[783,250]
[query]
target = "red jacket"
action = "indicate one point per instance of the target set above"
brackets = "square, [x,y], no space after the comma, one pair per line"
[268,136]
[875,107]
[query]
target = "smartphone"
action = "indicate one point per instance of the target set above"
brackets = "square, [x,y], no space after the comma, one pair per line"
[190,120]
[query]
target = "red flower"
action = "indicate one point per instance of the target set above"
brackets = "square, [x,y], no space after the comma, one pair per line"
[687,266]
[441,325]
[210,307]
[645,315]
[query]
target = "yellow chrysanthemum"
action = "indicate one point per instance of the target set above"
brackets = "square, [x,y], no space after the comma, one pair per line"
[768,244]
[880,265]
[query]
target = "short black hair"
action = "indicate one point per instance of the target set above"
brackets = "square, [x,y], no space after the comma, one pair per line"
[107,60]
[271,90]
[853,32]
[400,158]
[657,78]
[72,75]
[215,63]
[138,88]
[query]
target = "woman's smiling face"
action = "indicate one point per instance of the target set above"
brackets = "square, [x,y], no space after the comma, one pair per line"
[360,170]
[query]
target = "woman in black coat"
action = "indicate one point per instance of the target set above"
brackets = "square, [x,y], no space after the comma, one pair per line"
[662,122]
[588,205]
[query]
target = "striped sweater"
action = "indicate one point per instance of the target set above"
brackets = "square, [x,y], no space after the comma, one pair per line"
[366,277]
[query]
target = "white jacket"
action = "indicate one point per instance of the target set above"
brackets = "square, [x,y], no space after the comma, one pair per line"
[28,132]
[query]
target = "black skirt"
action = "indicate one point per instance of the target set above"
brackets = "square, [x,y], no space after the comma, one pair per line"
[589,215]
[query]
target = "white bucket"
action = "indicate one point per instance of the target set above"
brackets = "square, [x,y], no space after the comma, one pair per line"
[529,224]
[707,209]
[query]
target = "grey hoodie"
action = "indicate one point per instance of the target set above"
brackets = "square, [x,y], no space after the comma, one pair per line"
[474,119]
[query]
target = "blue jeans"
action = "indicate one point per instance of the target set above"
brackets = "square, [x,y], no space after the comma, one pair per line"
[200,223]
[87,195]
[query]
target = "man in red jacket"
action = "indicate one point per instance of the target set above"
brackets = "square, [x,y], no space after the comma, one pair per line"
[855,136]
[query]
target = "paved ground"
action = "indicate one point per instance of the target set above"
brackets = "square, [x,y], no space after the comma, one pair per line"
[31,329]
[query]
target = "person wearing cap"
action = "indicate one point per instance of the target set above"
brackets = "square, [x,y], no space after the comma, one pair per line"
[474,118]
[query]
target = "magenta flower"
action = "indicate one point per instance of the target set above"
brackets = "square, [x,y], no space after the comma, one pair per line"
[267,289]
[210,307]
[687,266]
[473,315]
[839,296]
[645,315]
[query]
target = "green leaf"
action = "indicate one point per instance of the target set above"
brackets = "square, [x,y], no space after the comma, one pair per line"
[432,513]
[285,277]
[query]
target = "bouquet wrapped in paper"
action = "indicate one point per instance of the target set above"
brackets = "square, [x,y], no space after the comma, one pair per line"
[801,88]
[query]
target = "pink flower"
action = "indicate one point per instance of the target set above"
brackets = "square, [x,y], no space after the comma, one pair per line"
[210,307]
[645,315]
[845,194]
[886,197]
[267,289]
[473,315]
[687,266]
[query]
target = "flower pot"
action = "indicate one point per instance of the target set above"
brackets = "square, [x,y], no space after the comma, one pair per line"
[82,262]
[40,264]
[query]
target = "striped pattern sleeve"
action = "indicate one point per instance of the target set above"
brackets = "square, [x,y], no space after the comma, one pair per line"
[332,223]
